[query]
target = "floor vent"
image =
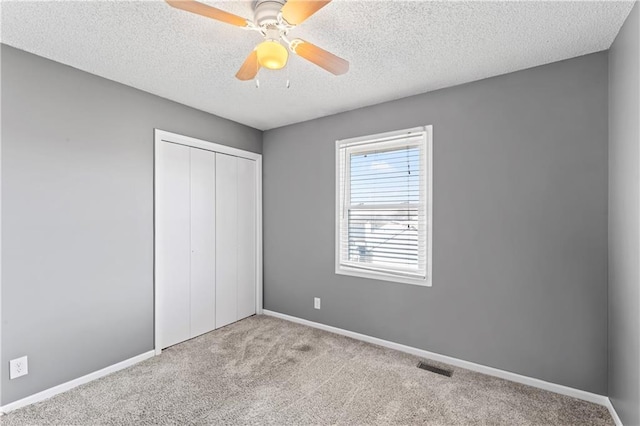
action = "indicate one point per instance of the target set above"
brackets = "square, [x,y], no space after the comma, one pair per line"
[434,369]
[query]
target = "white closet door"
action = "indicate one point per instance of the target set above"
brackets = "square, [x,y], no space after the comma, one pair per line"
[173,245]
[203,241]
[246,238]
[226,239]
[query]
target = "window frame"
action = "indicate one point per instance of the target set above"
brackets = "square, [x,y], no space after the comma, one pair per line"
[360,144]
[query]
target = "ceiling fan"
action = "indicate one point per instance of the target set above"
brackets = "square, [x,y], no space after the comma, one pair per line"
[273,19]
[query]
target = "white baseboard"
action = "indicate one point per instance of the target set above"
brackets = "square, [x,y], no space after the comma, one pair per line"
[48,393]
[537,383]
[613,413]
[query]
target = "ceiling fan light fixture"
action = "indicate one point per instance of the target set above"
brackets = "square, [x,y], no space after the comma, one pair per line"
[272,55]
[272,19]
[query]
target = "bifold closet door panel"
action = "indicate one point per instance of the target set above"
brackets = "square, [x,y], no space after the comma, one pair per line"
[173,245]
[226,240]
[203,241]
[246,238]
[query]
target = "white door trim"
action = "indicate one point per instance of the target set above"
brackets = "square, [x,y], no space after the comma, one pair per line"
[164,136]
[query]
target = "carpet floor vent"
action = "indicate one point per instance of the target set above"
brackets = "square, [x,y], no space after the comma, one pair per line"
[434,369]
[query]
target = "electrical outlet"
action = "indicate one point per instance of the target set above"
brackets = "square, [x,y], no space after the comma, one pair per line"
[18,367]
[316,302]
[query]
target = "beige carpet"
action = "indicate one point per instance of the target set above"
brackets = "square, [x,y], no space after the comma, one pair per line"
[264,370]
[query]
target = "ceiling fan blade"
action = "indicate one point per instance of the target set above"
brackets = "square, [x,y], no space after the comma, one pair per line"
[320,57]
[249,68]
[208,11]
[297,11]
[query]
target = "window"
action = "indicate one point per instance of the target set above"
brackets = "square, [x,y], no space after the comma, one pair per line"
[383,206]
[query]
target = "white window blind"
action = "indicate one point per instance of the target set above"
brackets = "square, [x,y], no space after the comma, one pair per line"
[384,206]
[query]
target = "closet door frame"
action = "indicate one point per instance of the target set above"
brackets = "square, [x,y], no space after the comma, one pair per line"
[162,136]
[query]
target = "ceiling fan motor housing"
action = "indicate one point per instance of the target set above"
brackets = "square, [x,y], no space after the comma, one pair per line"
[265,12]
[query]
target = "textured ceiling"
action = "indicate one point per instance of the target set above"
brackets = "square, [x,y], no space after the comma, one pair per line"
[396,49]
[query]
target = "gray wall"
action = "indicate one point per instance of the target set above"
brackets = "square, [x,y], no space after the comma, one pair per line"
[520,224]
[624,217]
[77,218]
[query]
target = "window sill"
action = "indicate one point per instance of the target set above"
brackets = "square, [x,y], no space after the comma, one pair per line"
[377,275]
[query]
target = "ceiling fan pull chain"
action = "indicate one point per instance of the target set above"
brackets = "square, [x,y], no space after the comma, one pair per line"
[288,83]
